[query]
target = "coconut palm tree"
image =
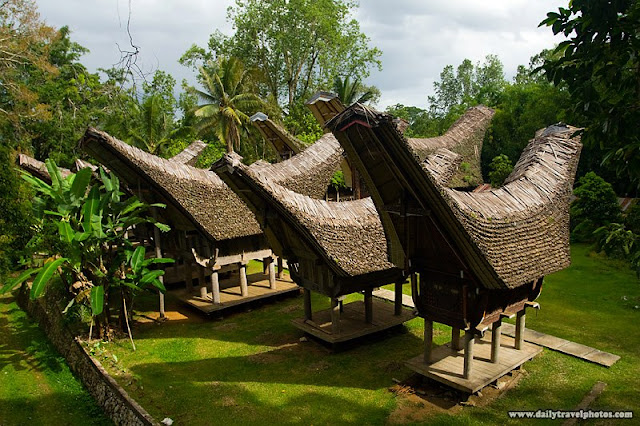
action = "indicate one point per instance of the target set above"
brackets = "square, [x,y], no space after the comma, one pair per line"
[154,127]
[227,100]
[350,92]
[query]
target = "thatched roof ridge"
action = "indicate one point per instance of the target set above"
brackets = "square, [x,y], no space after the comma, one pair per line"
[280,138]
[509,236]
[348,235]
[464,137]
[190,154]
[199,195]
[37,168]
[442,165]
[307,173]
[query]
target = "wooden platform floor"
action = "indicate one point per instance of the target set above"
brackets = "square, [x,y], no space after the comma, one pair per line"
[230,295]
[352,321]
[447,366]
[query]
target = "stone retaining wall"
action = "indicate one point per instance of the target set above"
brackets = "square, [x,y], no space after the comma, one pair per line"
[114,400]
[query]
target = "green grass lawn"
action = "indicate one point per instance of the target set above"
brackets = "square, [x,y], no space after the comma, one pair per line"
[251,367]
[36,386]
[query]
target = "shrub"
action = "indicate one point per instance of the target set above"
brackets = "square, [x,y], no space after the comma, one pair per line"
[596,206]
[500,168]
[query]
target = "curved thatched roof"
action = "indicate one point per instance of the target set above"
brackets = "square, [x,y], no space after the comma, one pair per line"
[38,168]
[190,154]
[509,236]
[307,173]
[464,137]
[198,196]
[348,235]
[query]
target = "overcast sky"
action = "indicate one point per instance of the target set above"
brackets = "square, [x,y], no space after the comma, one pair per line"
[417,37]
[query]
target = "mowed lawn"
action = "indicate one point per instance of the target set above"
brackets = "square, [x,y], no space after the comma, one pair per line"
[251,367]
[36,386]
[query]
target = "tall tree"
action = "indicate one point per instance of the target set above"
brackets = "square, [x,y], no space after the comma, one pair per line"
[228,99]
[298,46]
[600,64]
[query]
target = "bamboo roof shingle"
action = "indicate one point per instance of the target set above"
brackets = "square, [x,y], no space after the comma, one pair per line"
[307,173]
[464,137]
[190,154]
[347,235]
[197,195]
[509,236]
[37,168]
[283,141]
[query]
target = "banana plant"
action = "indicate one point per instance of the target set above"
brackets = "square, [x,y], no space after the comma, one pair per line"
[92,252]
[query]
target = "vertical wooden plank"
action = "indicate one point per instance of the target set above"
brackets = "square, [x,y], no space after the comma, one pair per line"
[201,281]
[215,287]
[468,353]
[156,238]
[520,321]
[307,304]
[335,315]
[368,305]
[397,304]
[428,340]
[496,332]
[272,274]
[188,274]
[455,338]
[280,268]
[244,288]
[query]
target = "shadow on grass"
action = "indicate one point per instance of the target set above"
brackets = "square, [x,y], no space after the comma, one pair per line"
[22,344]
[63,408]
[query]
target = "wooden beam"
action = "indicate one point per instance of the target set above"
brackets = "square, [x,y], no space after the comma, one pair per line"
[397,303]
[215,287]
[280,268]
[156,238]
[272,274]
[335,315]
[520,321]
[455,338]
[201,281]
[307,304]
[496,332]
[428,340]
[368,305]
[468,353]
[244,289]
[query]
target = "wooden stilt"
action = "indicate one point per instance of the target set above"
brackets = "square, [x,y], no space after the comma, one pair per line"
[455,338]
[201,281]
[496,332]
[428,340]
[244,289]
[188,274]
[335,315]
[156,238]
[307,304]
[215,287]
[272,274]
[280,268]
[397,303]
[468,353]
[520,321]
[368,305]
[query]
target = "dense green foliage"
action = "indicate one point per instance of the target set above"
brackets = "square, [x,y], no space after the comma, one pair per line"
[83,229]
[596,205]
[500,168]
[599,63]
[297,47]
[229,99]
